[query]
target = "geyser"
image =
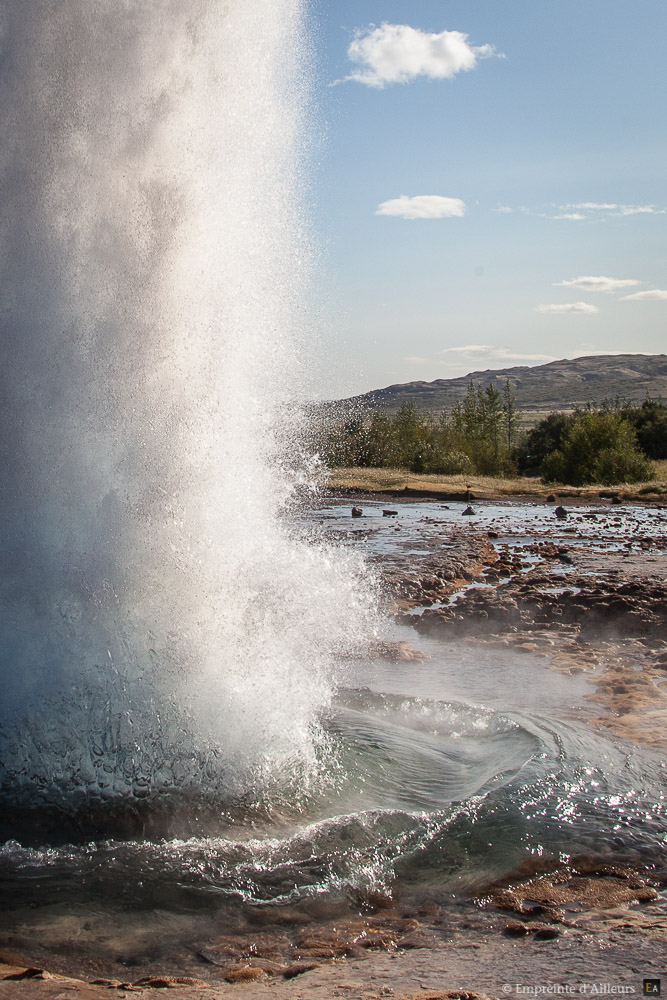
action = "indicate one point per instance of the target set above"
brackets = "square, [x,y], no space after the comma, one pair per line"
[167,637]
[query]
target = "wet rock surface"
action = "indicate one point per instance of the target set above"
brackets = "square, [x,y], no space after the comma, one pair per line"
[580,607]
[556,892]
[588,594]
[580,923]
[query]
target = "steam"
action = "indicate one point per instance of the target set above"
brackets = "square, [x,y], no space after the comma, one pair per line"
[154,278]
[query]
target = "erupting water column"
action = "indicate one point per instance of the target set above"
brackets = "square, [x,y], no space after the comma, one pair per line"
[163,632]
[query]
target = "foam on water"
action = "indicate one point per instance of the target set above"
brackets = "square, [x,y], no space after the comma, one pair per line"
[161,627]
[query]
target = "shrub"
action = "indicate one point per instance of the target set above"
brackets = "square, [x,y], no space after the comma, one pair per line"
[597,447]
[650,423]
[544,438]
[452,463]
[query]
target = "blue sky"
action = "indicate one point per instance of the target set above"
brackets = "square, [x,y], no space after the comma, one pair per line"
[542,163]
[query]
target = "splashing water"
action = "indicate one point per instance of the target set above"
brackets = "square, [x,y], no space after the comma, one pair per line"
[163,630]
[170,638]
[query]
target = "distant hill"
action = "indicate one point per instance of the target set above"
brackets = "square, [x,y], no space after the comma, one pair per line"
[558,385]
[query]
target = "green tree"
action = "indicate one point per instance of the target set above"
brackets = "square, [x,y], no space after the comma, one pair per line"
[411,434]
[492,414]
[509,414]
[381,445]
[545,437]
[597,447]
[650,423]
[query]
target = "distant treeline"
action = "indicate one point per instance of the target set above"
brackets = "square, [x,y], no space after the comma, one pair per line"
[480,435]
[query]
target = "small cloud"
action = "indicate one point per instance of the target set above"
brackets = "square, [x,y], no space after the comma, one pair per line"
[593,211]
[469,349]
[459,361]
[649,294]
[600,284]
[566,307]
[591,206]
[610,209]
[398,53]
[639,210]
[587,350]
[422,206]
[504,355]
[503,210]
[490,353]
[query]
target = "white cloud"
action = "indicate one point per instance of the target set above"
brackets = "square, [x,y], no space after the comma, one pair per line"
[610,209]
[422,206]
[503,210]
[593,211]
[490,353]
[650,293]
[639,210]
[566,307]
[599,284]
[453,362]
[592,206]
[469,349]
[397,53]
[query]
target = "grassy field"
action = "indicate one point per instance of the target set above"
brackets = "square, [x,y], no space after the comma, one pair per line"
[389,480]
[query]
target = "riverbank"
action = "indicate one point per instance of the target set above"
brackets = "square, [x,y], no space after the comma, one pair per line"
[401,482]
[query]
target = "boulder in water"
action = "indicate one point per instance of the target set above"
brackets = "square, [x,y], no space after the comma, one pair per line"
[468,512]
[357,512]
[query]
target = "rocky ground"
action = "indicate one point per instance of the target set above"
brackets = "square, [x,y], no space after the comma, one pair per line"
[589,930]
[585,588]
[587,591]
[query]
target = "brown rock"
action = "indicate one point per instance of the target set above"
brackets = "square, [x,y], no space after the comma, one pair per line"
[31,973]
[383,940]
[515,929]
[298,969]
[546,895]
[547,934]
[170,982]
[242,974]
[322,953]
